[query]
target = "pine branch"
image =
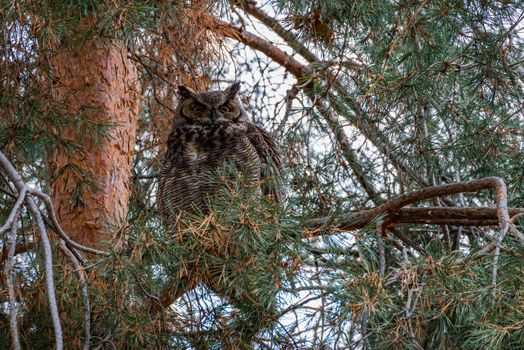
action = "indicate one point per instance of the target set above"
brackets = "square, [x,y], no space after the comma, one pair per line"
[301,72]
[361,120]
[285,34]
[239,34]
[363,218]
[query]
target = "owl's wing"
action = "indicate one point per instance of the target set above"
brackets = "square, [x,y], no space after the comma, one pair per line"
[271,160]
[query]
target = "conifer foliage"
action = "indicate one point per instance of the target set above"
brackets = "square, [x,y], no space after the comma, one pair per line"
[401,123]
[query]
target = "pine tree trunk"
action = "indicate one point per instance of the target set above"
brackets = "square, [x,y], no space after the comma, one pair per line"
[97,83]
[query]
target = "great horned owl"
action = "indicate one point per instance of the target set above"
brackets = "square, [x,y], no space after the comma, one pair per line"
[210,129]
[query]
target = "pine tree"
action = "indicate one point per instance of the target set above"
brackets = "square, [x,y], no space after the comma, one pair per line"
[401,123]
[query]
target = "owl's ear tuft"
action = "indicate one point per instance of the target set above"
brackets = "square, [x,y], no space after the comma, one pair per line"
[231,91]
[185,92]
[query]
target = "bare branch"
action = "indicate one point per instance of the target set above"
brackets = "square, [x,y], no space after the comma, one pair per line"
[512,227]
[50,283]
[239,34]
[502,212]
[516,215]
[51,212]
[13,308]
[391,208]
[48,255]
[478,216]
[14,211]
[381,251]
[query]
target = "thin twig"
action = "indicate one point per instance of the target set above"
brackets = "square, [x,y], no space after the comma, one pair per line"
[513,228]
[381,251]
[363,328]
[51,212]
[14,211]
[7,192]
[502,206]
[495,266]
[154,298]
[21,187]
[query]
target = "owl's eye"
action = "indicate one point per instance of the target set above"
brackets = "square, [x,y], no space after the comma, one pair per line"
[198,108]
[226,108]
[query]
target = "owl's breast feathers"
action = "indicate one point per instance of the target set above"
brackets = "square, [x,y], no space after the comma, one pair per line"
[196,154]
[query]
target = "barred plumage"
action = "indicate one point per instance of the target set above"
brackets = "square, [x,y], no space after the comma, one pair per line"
[211,129]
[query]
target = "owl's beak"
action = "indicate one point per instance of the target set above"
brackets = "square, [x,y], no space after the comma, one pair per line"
[213,116]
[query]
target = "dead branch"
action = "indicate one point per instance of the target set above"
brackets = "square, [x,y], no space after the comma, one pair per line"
[48,266]
[13,308]
[477,216]
[512,226]
[15,178]
[51,212]
[515,215]
[394,208]
[239,34]
[11,252]
[379,231]
[14,211]
[501,194]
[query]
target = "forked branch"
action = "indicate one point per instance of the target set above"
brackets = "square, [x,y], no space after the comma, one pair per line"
[26,194]
[394,211]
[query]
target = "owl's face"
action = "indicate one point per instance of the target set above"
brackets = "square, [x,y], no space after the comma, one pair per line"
[210,108]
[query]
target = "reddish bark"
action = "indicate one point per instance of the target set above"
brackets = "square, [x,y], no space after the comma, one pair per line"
[99,83]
